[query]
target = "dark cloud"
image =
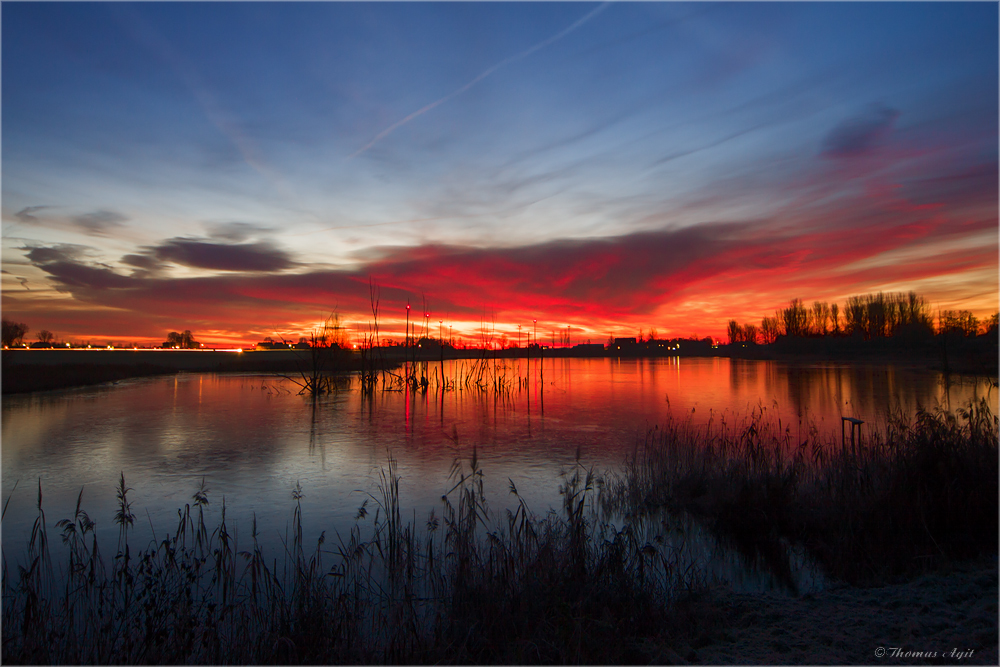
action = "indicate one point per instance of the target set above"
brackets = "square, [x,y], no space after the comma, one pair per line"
[99,222]
[859,135]
[64,252]
[143,262]
[235,231]
[68,267]
[75,275]
[249,257]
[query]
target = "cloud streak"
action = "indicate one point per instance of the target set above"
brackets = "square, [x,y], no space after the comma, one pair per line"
[458,91]
[212,256]
[99,222]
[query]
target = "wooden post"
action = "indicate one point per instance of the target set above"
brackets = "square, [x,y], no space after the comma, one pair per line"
[855,423]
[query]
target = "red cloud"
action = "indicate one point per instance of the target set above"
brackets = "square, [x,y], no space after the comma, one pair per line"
[741,270]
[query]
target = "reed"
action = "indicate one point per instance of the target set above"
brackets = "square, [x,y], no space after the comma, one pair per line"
[470,586]
[916,494]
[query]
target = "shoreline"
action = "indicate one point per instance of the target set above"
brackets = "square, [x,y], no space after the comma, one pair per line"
[25,371]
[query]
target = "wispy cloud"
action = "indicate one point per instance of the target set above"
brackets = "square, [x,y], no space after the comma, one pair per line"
[99,222]
[859,135]
[503,63]
[216,113]
[27,214]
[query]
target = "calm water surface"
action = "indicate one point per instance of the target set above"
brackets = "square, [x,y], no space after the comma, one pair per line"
[252,439]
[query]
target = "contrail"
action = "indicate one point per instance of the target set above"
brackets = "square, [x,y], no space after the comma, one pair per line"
[541,45]
[145,34]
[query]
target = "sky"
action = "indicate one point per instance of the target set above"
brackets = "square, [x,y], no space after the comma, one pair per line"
[243,170]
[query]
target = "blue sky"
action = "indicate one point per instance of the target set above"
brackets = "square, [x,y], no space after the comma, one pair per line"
[242,168]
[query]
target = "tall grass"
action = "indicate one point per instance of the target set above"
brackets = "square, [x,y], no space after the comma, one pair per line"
[918,493]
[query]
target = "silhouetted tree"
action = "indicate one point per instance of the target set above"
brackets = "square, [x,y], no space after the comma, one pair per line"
[915,310]
[769,330]
[734,331]
[795,318]
[880,316]
[13,332]
[745,333]
[820,314]
[990,325]
[856,316]
[835,318]
[958,321]
[44,336]
[182,340]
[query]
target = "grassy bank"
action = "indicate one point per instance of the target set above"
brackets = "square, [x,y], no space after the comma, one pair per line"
[591,582]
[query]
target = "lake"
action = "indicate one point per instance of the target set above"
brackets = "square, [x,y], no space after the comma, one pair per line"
[251,438]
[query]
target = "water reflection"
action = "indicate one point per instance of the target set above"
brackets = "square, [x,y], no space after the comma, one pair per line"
[252,438]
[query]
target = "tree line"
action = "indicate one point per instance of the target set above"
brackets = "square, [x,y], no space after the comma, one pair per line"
[14,333]
[867,316]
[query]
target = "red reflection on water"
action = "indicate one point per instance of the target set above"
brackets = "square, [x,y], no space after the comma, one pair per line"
[254,438]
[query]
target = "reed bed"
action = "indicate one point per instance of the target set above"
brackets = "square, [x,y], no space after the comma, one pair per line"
[913,495]
[468,586]
[593,581]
